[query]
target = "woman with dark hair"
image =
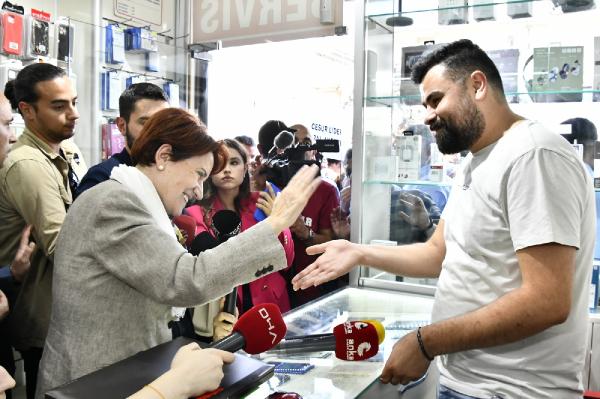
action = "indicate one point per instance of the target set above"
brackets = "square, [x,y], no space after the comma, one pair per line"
[230,189]
[119,269]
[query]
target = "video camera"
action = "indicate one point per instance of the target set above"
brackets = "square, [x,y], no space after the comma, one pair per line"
[285,159]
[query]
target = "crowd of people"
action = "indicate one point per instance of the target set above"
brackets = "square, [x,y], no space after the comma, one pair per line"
[91,240]
[97,270]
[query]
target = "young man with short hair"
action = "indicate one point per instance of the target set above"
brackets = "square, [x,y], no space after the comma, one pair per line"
[136,105]
[36,185]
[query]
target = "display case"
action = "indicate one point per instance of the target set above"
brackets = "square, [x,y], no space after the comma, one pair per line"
[332,378]
[548,53]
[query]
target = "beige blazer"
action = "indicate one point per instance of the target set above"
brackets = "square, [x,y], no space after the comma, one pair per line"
[117,275]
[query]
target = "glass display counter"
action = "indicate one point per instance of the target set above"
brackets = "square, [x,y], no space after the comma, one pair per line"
[332,378]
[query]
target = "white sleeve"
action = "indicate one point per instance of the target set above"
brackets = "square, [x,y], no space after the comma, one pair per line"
[545,199]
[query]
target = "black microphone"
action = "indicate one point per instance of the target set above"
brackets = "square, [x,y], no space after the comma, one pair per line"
[203,242]
[227,224]
[283,140]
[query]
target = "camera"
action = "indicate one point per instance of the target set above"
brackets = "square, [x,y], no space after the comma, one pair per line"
[281,167]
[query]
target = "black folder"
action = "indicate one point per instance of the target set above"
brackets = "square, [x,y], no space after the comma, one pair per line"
[130,375]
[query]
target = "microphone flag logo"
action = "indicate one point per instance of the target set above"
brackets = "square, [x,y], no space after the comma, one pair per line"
[360,340]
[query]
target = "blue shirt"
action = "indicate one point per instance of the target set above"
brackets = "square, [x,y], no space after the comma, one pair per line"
[101,172]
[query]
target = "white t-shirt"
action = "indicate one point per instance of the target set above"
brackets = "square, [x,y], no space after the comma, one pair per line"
[528,188]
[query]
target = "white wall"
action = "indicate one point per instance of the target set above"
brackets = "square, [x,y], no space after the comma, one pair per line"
[306,81]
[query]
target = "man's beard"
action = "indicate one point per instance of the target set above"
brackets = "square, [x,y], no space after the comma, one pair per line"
[129,138]
[453,136]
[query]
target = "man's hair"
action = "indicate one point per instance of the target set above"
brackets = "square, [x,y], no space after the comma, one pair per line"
[460,58]
[23,87]
[267,133]
[137,92]
[582,130]
[245,140]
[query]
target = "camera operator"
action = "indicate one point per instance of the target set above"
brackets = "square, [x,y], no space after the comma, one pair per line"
[314,224]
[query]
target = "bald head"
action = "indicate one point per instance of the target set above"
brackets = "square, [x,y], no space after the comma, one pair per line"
[7,137]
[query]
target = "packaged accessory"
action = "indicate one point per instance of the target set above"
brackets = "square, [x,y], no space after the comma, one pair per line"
[38,25]
[140,40]
[132,80]
[114,44]
[172,90]
[64,35]
[12,29]
[113,141]
[519,10]
[452,12]
[152,61]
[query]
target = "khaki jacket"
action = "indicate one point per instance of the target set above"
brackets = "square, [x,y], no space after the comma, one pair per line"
[34,189]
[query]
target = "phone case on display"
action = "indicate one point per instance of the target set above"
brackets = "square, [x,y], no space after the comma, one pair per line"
[12,34]
[112,140]
[65,36]
[38,43]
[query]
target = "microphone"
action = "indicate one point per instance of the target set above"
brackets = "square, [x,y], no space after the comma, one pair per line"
[227,223]
[282,141]
[203,241]
[187,225]
[257,330]
[352,340]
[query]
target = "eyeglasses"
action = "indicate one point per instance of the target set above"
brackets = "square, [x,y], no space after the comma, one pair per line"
[284,395]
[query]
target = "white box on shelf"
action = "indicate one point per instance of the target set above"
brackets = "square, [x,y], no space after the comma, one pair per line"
[483,12]
[452,12]
[518,10]
[408,157]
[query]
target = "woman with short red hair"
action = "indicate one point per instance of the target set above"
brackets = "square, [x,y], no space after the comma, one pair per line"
[119,270]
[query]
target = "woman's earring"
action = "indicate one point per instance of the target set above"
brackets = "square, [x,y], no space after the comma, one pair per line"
[161,167]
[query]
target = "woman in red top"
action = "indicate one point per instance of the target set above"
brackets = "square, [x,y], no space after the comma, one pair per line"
[230,189]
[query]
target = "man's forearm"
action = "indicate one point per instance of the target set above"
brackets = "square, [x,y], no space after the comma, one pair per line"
[513,317]
[414,260]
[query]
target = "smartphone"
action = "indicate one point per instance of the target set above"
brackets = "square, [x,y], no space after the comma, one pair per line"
[259,215]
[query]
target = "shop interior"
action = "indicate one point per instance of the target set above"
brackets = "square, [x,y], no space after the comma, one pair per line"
[341,68]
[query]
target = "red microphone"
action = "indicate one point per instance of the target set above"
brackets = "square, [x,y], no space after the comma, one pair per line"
[187,225]
[256,331]
[353,340]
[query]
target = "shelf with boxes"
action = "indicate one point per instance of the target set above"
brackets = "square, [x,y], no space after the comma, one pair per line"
[132,54]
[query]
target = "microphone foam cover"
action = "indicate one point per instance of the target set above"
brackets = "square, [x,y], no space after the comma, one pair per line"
[380,329]
[227,223]
[284,139]
[187,225]
[203,242]
[355,340]
[262,328]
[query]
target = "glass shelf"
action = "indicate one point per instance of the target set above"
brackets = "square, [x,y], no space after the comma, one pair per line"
[413,183]
[389,101]
[381,18]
